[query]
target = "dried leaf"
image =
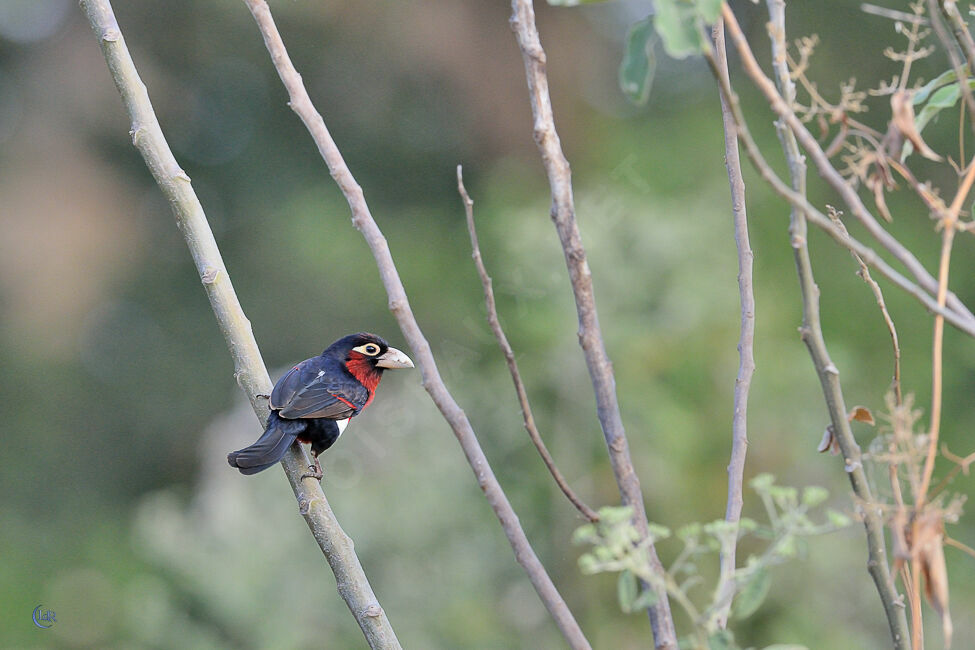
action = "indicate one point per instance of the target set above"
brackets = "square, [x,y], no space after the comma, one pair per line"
[929,546]
[902,124]
[874,183]
[829,442]
[860,414]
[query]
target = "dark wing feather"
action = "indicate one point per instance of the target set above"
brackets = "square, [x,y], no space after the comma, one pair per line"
[318,388]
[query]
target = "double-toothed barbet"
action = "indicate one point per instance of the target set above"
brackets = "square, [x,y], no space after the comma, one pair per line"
[313,402]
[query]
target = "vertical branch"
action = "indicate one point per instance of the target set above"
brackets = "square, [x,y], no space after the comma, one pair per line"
[948,226]
[249,368]
[509,357]
[746,357]
[590,335]
[399,305]
[812,336]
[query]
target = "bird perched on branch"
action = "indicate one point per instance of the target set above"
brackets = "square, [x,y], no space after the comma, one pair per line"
[314,400]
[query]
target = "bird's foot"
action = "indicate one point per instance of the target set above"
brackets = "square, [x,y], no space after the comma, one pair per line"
[314,471]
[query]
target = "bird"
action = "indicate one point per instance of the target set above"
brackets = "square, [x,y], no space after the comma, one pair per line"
[314,401]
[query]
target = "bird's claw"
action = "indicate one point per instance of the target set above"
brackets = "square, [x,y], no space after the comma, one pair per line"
[314,471]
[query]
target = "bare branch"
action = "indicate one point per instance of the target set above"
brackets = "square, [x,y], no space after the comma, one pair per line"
[590,336]
[960,29]
[951,47]
[400,307]
[249,368]
[948,230]
[811,329]
[829,173]
[746,340]
[509,357]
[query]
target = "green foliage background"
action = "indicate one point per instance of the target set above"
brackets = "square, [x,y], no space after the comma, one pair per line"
[118,510]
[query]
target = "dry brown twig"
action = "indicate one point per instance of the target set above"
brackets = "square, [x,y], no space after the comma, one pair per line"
[590,335]
[399,305]
[829,173]
[249,368]
[509,357]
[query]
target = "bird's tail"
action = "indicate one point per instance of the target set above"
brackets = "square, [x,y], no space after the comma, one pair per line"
[269,448]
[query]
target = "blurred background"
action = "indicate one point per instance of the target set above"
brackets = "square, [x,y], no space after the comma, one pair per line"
[119,512]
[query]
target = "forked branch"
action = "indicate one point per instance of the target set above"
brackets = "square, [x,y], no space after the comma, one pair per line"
[399,305]
[249,368]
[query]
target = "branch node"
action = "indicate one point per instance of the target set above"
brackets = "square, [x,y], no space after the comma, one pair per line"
[111,35]
[210,275]
[373,611]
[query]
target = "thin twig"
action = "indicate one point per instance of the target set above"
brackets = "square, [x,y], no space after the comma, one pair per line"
[829,173]
[249,367]
[878,295]
[746,340]
[957,64]
[399,305]
[843,238]
[509,357]
[811,330]
[893,14]
[590,336]
[947,238]
[960,29]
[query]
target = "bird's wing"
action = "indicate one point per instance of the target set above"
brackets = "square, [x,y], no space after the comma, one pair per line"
[316,389]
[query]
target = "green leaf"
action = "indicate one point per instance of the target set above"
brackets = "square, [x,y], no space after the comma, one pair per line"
[721,640]
[762,482]
[646,599]
[924,92]
[678,22]
[945,97]
[838,519]
[610,515]
[588,564]
[753,593]
[585,534]
[627,590]
[639,62]
[813,495]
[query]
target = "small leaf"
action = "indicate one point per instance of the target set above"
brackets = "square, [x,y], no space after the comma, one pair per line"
[837,518]
[945,77]
[721,640]
[762,482]
[639,63]
[610,515]
[945,97]
[677,22]
[627,590]
[588,564]
[860,414]
[585,534]
[753,593]
[813,495]
[646,599]
[692,531]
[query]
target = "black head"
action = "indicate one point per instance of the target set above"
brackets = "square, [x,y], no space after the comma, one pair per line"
[366,347]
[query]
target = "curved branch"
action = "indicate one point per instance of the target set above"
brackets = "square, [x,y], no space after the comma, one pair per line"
[590,335]
[399,305]
[249,367]
[509,357]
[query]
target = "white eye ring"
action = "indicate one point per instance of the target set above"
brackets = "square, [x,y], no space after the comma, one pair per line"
[372,349]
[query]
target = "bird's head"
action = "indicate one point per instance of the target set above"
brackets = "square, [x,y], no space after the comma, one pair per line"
[366,355]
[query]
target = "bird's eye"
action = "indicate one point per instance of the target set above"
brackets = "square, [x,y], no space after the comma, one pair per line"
[369,349]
